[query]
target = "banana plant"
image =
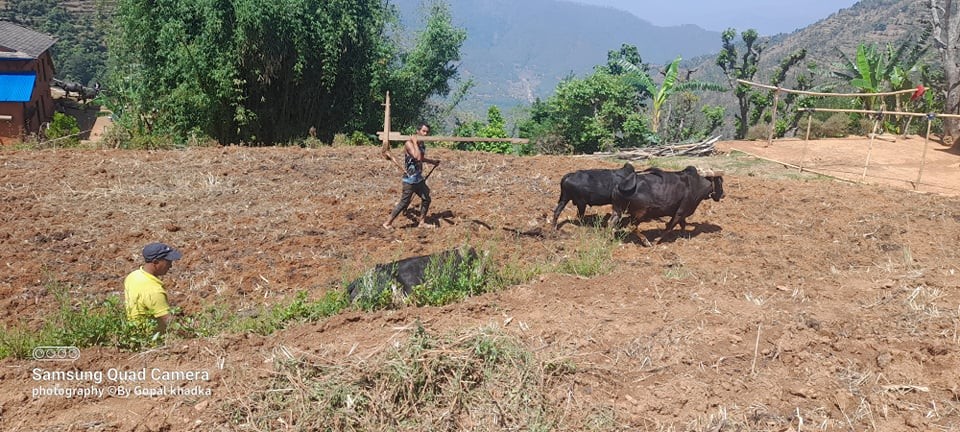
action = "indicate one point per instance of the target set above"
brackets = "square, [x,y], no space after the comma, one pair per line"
[874,70]
[671,84]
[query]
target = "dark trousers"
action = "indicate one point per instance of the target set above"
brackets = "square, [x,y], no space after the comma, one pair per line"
[421,190]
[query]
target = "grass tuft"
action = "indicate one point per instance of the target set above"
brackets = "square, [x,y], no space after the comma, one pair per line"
[594,254]
[481,380]
[451,279]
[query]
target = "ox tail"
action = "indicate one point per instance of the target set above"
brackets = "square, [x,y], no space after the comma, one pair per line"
[564,199]
[560,205]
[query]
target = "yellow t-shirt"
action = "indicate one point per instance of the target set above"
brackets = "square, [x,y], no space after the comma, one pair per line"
[144,296]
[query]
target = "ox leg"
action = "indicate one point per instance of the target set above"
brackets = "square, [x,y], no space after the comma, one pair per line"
[670,225]
[642,237]
[581,211]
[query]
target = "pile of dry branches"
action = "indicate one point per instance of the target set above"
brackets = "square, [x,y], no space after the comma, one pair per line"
[702,148]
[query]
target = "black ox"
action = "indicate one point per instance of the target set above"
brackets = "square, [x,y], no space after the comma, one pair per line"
[654,193]
[84,93]
[591,187]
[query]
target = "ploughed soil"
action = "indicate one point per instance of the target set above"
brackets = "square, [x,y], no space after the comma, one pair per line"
[798,302]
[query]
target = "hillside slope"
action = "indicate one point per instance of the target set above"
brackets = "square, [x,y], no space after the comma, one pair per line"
[793,301]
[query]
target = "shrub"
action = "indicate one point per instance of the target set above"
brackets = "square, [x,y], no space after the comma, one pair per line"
[370,296]
[64,131]
[300,309]
[451,279]
[356,138]
[758,132]
[149,142]
[834,127]
[552,144]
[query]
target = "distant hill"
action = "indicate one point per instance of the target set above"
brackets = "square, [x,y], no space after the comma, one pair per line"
[519,50]
[877,22]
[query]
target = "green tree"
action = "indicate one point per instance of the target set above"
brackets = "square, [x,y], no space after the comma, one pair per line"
[873,70]
[585,115]
[737,65]
[627,54]
[265,71]
[671,84]
[494,127]
[425,71]
[762,102]
[864,72]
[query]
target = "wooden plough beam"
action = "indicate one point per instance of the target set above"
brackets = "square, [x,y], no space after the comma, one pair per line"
[387,135]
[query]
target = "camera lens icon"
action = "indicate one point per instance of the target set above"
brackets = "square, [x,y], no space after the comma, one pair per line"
[56,353]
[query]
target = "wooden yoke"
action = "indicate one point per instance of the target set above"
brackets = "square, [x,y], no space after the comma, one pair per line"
[385,150]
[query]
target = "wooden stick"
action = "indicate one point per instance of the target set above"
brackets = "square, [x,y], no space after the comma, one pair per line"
[806,142]
[873,136]
[386,125]
[923,158]
[810,93]
[396,136]
[773,121]
[756,351]
[878,112]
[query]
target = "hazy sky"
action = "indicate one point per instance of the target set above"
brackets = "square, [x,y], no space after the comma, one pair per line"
[768,17]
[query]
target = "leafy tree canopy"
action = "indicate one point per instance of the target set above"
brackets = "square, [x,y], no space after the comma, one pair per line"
[265,71]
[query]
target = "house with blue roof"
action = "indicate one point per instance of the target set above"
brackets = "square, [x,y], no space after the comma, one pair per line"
[26,71]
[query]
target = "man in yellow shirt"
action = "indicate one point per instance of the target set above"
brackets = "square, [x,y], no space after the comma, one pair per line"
[143,291]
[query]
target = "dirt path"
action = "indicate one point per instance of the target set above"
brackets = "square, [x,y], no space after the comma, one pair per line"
[880,161]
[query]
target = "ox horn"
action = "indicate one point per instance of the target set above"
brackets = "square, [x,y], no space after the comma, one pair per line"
[709,172]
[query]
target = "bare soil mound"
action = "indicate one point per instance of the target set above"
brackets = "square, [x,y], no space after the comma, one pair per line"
[797,303]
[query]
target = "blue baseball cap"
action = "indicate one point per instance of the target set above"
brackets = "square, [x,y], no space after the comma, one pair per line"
[155,251]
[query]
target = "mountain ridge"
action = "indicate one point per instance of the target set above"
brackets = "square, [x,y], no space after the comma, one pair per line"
[518,51]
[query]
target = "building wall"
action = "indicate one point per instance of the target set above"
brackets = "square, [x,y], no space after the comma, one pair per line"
[41,90]
[11,128]
[28,117]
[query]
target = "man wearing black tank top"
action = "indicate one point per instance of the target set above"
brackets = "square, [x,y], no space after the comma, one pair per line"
[413,180]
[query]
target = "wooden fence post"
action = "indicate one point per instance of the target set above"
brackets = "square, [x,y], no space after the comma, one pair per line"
[923,159]
[806,140]
[773,122]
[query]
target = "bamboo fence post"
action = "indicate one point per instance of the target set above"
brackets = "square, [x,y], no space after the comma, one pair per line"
[773,122]
[923,158]
[806,140]
[873,136]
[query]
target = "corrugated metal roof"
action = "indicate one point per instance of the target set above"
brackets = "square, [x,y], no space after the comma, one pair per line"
[21,42]
[16,87]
